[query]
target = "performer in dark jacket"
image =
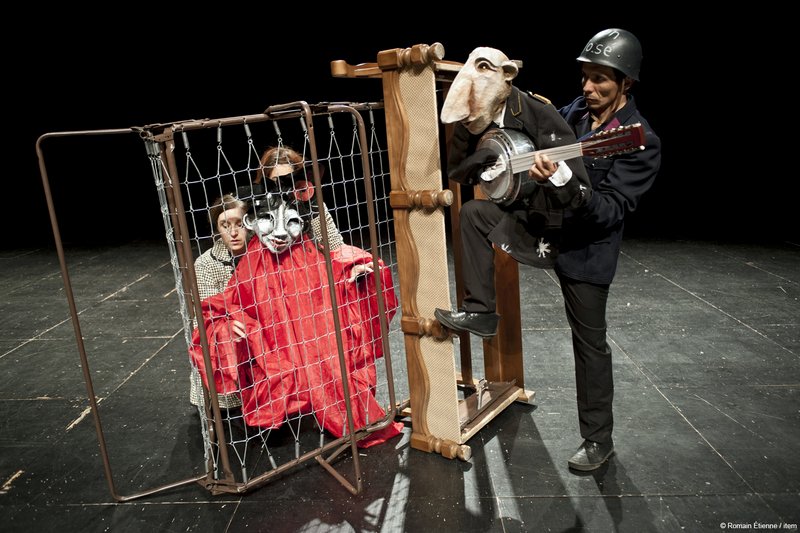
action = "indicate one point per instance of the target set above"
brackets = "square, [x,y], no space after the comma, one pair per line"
[480,98]
[592,233]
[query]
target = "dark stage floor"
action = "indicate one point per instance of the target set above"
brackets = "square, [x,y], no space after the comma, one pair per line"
[706,343]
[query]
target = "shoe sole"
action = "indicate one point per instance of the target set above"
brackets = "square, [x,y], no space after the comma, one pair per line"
[588,468]
[455,329]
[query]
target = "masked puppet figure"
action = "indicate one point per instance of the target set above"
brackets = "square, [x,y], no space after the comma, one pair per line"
[484,105]
[288,362]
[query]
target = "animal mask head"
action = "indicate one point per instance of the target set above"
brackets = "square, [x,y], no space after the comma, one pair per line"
[281,210]
[480,89]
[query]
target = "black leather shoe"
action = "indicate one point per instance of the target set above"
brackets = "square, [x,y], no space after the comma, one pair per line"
[591,455]
[481,324]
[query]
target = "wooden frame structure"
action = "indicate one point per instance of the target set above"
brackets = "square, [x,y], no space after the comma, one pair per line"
[441,421]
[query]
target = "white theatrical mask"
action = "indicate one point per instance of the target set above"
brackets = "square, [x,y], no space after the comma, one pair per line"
[277,224]
[480,89]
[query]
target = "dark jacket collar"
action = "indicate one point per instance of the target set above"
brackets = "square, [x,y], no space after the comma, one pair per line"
[511,118]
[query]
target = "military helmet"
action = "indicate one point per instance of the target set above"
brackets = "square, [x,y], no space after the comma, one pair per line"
[614,48]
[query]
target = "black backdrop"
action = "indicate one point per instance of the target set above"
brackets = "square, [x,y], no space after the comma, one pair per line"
[714,182]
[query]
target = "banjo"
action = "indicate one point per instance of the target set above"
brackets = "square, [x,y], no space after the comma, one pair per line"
[502,182]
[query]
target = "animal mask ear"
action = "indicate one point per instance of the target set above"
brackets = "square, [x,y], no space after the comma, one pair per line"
[283,185]
[301,191]
[247,192]
[510,70]
[304,190]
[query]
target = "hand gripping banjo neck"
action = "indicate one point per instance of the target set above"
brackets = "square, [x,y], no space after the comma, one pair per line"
[516,152]
[621,140]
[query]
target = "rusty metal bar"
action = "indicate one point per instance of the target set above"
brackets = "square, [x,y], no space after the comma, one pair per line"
[160,139]
[87,376]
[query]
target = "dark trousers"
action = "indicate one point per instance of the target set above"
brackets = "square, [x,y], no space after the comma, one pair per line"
[585,304]
[478,218]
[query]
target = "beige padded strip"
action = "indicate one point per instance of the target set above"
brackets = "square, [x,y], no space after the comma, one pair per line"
[423,172]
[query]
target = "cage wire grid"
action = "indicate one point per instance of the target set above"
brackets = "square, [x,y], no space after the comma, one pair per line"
[223,158]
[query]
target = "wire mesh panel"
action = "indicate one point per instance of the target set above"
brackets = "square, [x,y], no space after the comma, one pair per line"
[282,248]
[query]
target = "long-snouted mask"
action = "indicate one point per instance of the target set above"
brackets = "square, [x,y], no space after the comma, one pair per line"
[277,223]
[480,89]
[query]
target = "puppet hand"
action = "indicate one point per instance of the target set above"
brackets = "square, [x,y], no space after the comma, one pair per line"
[469,170]
[238,330]
[491,173]
[360,270]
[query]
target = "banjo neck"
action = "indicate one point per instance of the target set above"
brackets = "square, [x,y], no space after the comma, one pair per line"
[621,140]
[522,162]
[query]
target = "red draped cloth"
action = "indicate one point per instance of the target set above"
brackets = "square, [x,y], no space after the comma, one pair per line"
[289,361]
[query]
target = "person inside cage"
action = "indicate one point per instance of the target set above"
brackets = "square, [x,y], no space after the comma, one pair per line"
[214,268]
[285,361]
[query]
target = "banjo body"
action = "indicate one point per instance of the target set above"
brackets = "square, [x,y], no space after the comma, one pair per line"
[503,181]
[505,185]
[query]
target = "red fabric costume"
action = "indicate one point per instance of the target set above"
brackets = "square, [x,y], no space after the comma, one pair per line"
[289,361]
